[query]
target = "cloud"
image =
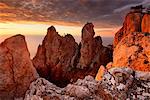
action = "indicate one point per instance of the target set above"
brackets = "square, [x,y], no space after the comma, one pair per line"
[127,7]
[4,28]
[70,12]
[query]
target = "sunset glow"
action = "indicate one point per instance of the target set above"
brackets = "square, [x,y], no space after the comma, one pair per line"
[40,29]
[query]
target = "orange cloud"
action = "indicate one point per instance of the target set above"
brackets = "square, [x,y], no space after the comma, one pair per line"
[7,15]
[3,6]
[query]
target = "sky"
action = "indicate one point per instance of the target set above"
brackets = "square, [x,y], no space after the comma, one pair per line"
[33,17]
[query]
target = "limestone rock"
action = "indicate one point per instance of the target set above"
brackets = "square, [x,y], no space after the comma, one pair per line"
[92,51]
[16,69]
[133,51]
[53,59]
[127,84]
[132,23]
[102,70]
[146,23]
[86,89]
[61,60]
[88,46]
[117,83]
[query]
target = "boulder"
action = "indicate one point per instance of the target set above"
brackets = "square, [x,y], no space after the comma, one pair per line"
[102,70]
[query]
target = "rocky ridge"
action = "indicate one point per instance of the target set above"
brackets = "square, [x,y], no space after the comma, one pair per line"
[132,42]
[61,60]
[134,22]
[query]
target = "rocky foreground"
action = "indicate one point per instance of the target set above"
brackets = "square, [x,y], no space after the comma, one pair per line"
[117,83]
[58,70]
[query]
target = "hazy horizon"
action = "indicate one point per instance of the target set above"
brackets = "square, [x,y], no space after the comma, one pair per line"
[34,40]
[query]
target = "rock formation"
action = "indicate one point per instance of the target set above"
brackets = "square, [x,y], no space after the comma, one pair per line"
[132,23]
[133,51]
[61,60]
[117,83]
[132,42]
[92,51]
[146,23]
[16,69]
[54,56]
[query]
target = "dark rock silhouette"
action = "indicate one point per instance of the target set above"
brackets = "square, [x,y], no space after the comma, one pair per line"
[138,8]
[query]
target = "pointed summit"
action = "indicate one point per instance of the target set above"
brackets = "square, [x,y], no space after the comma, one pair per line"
[88,31]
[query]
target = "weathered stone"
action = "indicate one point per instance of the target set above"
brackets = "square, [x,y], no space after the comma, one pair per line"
[133,51]
[117,83]
[125,83]
[84,89]
[132,23]
[61,60]
[53,59]
[146,23]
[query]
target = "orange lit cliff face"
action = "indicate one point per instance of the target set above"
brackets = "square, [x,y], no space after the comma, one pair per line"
[33,17]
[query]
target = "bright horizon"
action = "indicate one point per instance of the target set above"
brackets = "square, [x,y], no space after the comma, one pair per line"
[41,29]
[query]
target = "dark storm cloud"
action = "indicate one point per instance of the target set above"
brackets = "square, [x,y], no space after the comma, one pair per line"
[104,13]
